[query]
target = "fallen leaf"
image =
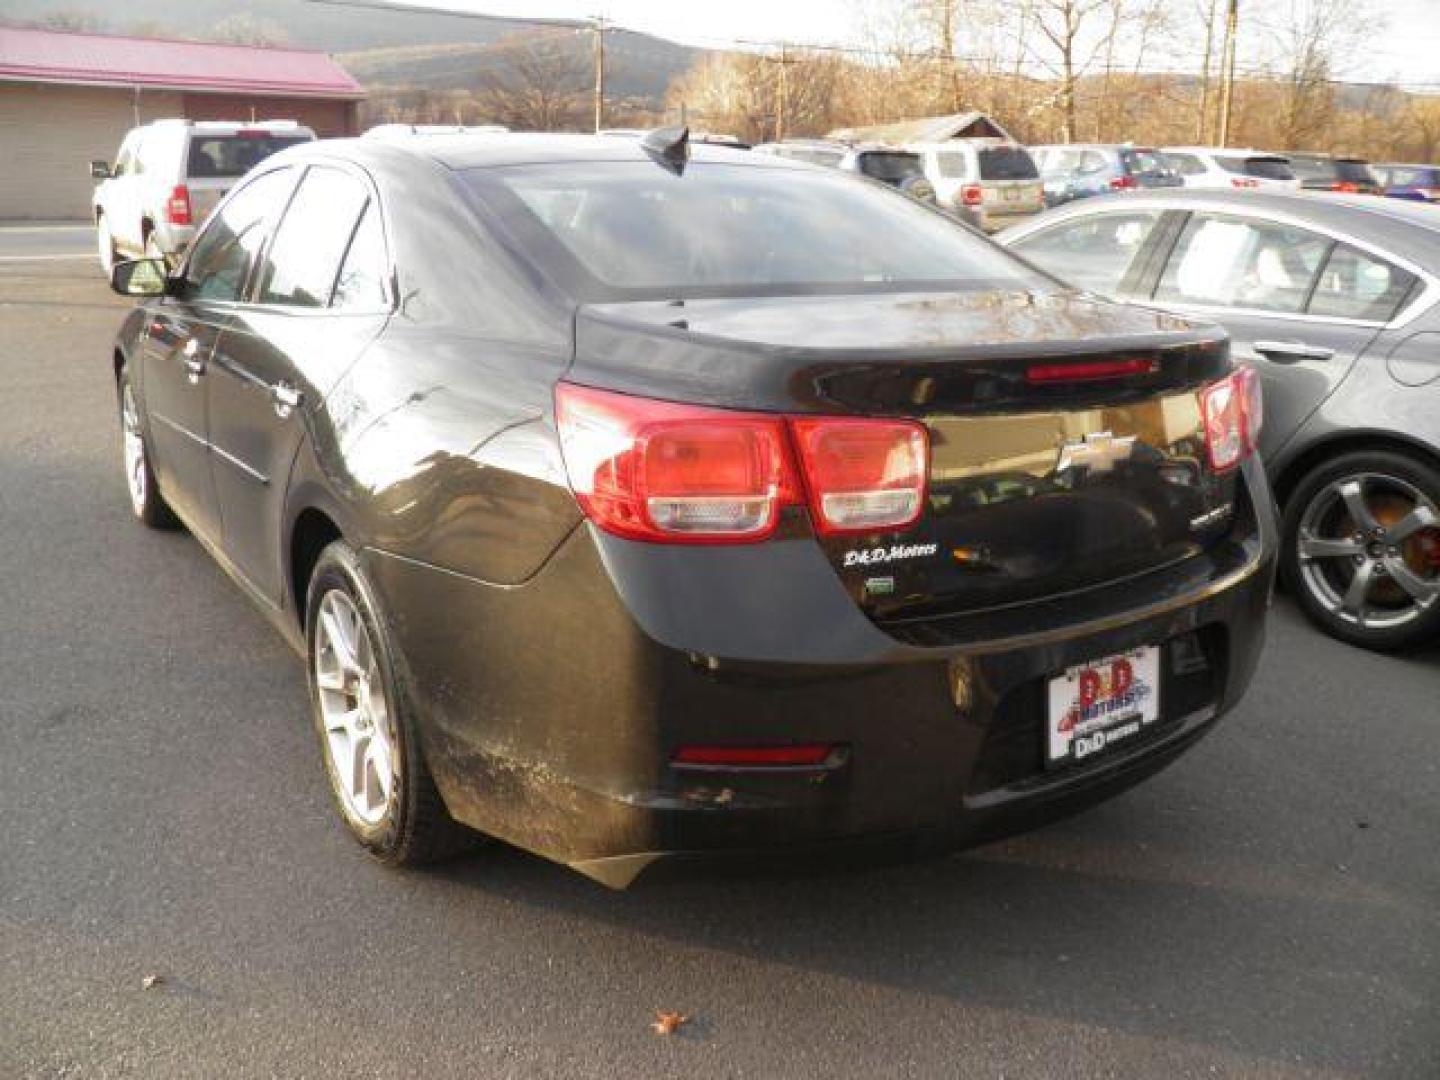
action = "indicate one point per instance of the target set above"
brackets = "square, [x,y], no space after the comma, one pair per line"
[667,1023]
[152,981]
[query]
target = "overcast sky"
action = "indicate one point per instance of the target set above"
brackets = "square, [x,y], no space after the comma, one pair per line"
[1406,50]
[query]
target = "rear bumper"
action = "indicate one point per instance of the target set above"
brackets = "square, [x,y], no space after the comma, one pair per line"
[550,711]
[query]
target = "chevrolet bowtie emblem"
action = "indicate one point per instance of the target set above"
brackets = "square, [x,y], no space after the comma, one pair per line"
[1098,452]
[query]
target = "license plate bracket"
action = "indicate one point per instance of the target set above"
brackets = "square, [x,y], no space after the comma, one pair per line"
[1100,704]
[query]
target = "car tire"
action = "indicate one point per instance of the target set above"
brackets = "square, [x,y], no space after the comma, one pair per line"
[146,500]
[366,723]
[1361,549]
[105,246]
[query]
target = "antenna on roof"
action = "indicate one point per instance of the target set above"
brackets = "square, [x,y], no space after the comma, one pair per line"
[670,146]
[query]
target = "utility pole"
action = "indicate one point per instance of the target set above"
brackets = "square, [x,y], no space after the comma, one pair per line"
[1227,90]
[782,92]
[598,22]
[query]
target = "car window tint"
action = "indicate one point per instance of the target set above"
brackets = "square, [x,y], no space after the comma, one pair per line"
[951,164]
[888,165]
[303,262]
[217,266]
[631,226]
[1268,168]
[1093,252]
[1006,163]
[1355,285]
[361,284]
[234,155]
[1244,263]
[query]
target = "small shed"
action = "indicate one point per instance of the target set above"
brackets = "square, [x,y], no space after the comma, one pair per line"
[965,125]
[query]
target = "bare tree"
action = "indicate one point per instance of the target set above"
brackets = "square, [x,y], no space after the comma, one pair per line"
[537,81]
[243,28]
[1317,38]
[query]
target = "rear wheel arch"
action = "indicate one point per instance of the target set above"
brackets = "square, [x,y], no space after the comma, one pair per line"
[1293,472]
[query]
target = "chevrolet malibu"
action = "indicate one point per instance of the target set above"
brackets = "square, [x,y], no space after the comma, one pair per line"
[628,502]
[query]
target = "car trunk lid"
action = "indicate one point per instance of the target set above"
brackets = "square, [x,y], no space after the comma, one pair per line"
[1066,447]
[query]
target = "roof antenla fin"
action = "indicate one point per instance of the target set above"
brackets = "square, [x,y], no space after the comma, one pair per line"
[670,146]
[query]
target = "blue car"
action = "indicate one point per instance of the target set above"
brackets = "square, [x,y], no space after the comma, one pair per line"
[1420,183]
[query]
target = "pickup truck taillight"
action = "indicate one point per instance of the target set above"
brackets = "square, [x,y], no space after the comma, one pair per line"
[673,473]
[972,195]
[1233,412]
[177,206]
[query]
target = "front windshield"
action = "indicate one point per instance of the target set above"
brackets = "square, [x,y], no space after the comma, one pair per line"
[621,230]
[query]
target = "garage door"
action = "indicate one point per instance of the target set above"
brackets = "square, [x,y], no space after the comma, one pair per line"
[51,133]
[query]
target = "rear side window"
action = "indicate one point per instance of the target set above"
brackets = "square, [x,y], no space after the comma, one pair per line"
[304,260]
[1244,263]
[1188,164]
[233,155]
[1355,285]
[951,164]
[1007,163]
[883,165]
[1092,253]
[361,284]
[1144,162]
[220,260]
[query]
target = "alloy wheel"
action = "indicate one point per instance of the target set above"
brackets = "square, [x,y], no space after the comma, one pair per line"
[359,735]
[1369,551]
[136,481]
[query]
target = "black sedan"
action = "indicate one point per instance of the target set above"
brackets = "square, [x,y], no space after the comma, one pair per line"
[1332,299]
[627,502]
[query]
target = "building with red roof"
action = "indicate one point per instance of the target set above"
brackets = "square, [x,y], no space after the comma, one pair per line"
[67,98]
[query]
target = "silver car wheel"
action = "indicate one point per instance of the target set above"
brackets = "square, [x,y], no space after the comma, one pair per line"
[1369,551]
[136,480]
[360,741]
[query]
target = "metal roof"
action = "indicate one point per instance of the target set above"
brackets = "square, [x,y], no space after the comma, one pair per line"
[925,130]
[53,56]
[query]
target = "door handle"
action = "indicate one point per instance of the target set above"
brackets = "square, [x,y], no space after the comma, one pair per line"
[194,362]
[1290,352]
[286,399]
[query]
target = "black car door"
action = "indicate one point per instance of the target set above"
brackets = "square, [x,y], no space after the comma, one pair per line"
[1286,296]
[181,347]
[319,297]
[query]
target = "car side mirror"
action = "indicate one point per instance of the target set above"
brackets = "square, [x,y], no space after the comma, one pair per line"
[99,170]
[140,277]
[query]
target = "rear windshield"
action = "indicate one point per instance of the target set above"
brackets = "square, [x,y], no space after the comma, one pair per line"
[234,155]
[1144,162]
[632,230]
[1399,176]
[1357,172]
[890,166]
[1268,168]
[1007,163]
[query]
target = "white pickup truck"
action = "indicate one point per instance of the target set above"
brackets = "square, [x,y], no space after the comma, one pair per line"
[169,174]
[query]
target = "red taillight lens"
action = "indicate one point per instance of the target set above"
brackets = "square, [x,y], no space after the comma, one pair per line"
[972,195]
[863,475]
[661,471]
[1244,182]
[177,206]
[1123,183]
[655,470]
[1349,187]
[1233,412]
[1088,370]
[812,755]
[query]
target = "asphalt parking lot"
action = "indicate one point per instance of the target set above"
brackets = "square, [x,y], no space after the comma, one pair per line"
[1270,906]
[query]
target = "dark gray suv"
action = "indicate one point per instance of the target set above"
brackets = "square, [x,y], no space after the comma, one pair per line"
[1333,300]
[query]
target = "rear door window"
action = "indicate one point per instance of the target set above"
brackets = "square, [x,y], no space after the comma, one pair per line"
[1224,261]
[1355,285]
[1006,163]
[1144,162]
[219,262]
[304,261]
[361,284]
[1187,164]
[225,156]
[951,164]
[1094,252]
[890,167]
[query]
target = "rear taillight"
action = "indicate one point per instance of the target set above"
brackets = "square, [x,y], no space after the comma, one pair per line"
[863,475]
[1233,413]
[972,195]
[1123,183]
[177,206]
[1348,187]
[672,473]
[1245,182]
[1089,370]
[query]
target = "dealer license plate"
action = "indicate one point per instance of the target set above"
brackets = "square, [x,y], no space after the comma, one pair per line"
[1102,704]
